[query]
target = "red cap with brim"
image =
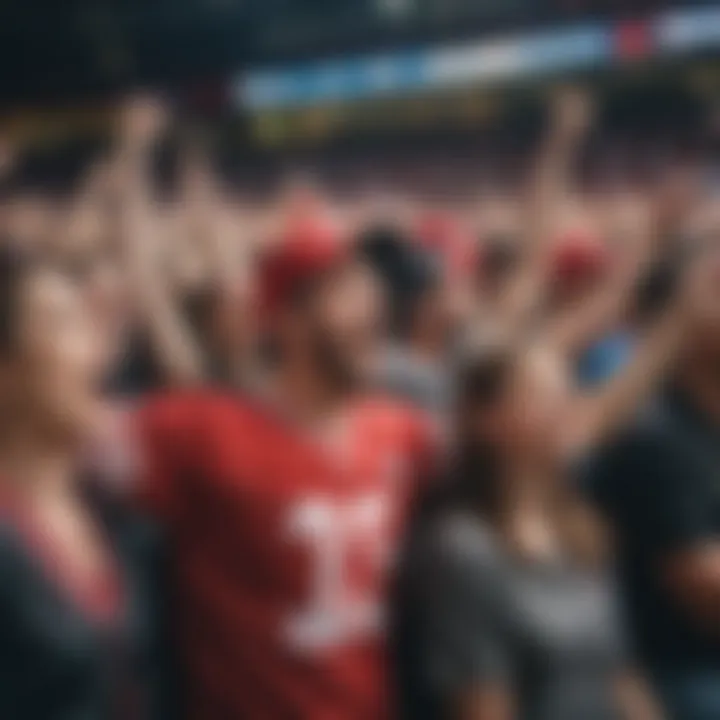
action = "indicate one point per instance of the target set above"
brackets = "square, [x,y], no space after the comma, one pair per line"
[306,252]
[579,255]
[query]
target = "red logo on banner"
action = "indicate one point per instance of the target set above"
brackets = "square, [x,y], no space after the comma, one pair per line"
[633,40]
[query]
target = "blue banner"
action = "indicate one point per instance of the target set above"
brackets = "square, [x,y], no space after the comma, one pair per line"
[523,55]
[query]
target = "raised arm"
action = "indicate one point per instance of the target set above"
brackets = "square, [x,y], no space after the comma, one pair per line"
[200,226]
[572,330]
[570,118]
[175,348]
[217,233]
[599,413]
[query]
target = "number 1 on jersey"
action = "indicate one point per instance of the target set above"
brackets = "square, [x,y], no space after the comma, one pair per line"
[333,532]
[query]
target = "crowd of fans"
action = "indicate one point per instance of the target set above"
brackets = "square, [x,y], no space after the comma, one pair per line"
[352,459]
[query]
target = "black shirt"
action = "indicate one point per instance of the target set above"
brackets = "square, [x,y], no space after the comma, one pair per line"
[660,485]
[59,658]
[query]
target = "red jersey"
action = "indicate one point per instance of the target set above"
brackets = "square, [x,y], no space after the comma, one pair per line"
[281,551]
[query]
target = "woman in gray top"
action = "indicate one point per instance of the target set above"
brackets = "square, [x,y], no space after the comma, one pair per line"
[506,611]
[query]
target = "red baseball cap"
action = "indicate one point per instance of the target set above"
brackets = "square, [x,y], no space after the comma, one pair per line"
[306,251]
[579,254]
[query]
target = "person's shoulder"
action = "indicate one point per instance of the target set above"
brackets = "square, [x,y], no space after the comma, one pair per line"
[199,408]
[458,538]
[386,413]
[189,398]
[650,449]
[654,429]
[182,434]
[401,372]
[400,423]
[382,404]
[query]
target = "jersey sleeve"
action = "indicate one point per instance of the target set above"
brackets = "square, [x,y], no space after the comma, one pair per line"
[164,446]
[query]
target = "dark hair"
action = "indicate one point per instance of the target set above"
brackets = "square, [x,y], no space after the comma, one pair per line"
[483,375]
[408,272]
[657,287]
[15,268]
[483,381]
[474,473]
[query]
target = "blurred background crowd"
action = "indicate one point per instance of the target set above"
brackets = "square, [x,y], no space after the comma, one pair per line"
[360,359]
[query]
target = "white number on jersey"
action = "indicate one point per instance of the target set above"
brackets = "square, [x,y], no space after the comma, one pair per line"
[332,532]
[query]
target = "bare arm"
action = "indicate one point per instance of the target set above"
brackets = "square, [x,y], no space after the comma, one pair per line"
[574,329]
[598,413]
[174,346]
[570,119]
[217,240]
[218,235]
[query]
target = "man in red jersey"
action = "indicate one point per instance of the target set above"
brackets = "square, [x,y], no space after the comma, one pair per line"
[283,511]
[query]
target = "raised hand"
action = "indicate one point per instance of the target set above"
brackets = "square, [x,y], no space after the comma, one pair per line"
[143,119]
